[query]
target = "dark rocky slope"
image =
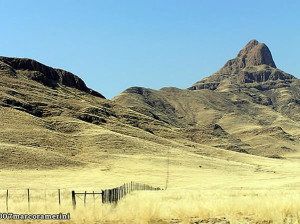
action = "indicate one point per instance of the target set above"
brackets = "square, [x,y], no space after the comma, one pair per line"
[43,74]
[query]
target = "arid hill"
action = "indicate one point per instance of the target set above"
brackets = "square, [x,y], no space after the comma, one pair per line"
[50,118]
[249,99]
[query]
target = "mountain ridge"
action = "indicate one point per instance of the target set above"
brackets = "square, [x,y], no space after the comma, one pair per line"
[249,88]
[44,74]
[52,114]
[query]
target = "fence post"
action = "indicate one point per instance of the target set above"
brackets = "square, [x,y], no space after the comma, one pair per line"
[84,198]
[73,199]
[28,199]
[102,196]
[113,195]
[110,195]
[118,193]
[59,196]
[7,200]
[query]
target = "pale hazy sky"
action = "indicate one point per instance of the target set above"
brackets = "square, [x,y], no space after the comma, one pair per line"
[116,44]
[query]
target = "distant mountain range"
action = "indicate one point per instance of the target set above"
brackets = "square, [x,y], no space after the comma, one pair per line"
[49,117]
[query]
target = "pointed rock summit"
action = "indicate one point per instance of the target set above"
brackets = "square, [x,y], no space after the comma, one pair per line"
[255,53]
[253,64]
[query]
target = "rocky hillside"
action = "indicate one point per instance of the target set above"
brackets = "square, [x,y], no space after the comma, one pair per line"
[50,118]
[43,74]
[250,99]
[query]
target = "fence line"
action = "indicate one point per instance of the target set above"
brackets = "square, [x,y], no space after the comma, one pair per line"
[113,195]
[28,194]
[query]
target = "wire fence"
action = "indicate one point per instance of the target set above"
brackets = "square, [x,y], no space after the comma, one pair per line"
[112,195]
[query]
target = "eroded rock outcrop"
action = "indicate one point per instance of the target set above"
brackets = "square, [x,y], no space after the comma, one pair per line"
[44,74]
[253,64]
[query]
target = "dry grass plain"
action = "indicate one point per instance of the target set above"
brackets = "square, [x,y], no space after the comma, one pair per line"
[228,188]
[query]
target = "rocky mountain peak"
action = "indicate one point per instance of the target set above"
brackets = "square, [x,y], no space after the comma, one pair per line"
[255,53]
[253,64]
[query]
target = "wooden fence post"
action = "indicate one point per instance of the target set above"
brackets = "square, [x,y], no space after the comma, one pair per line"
[7,200]
[107,196]
[118,193]
[28,199]
[84,198]
[121,192]
[115,194]
[59,196]
[110,195]
[73,199]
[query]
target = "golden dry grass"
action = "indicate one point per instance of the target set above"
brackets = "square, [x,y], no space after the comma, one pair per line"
[175,206]
[229,187]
